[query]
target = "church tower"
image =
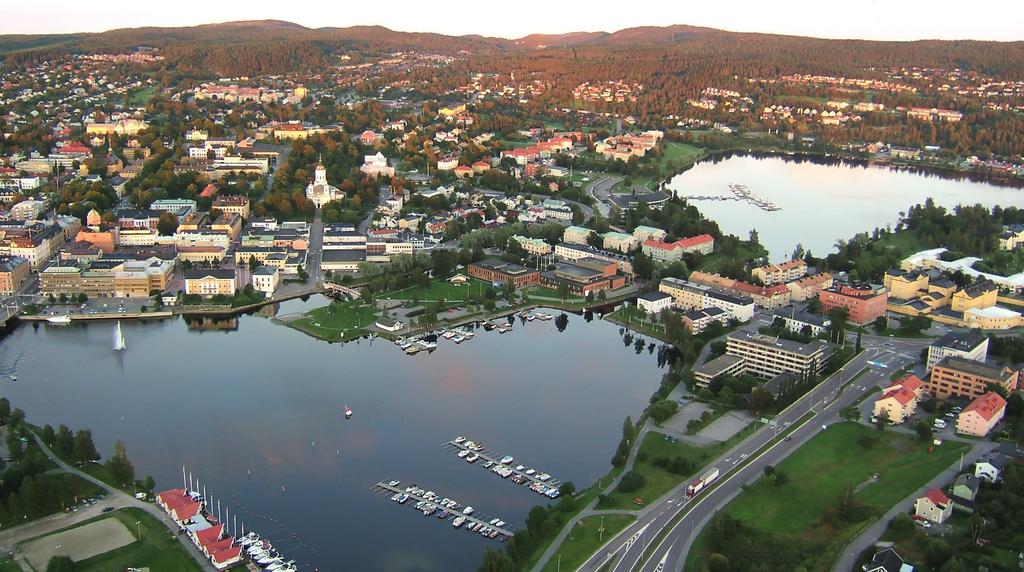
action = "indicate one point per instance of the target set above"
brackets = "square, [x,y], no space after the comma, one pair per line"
[320,175]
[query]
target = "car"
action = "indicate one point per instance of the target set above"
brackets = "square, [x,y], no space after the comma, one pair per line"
[788,438]
[108,509]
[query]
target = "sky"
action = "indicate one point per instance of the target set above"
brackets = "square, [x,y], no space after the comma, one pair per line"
[867,19]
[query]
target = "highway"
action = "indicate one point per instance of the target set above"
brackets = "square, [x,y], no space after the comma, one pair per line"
[624,551]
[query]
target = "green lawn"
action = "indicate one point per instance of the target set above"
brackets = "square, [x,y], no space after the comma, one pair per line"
[545,292]
[585,538]
[638,320]
[792,513]
[437,290]
[745,252]
[7,564]
[338,321]
[142,96]
[158,550]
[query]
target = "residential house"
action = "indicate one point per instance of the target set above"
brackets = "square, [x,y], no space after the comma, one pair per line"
[955,376]
[968,346]
[933,506]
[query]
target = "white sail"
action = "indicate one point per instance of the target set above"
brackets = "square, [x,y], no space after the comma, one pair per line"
[118,338]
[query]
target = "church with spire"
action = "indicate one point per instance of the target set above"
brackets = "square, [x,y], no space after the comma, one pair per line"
[320,191]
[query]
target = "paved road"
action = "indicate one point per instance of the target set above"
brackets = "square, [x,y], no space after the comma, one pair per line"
[316,246]
[848,560]
[599,190]
[626,548]
[115,498]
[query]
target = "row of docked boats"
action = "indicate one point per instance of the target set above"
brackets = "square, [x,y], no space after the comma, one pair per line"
[540,482]
[262,553]
[430,503]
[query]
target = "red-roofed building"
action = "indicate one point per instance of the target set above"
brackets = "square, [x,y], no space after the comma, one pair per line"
[463,171]
[172,498]
[933,505]
[227,557]
[896,404]
[208,535]
[769,297]
[186,511]
[481,167]
[209,190]
[981,415]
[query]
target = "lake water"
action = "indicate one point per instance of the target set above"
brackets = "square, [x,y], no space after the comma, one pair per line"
[821,203]
[267,399]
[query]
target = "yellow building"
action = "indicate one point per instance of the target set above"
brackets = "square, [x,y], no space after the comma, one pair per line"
[235,204]
[981,295]
[534,246]
[210,282]
[452,111]
[905,285]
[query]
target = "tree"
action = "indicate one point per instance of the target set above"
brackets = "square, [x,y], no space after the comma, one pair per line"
[630,482]
[60,564]
[497,561]
[662,410]
[84,449]
[5,410]
[167,224]
[563,291]
[923,430]
[120,467]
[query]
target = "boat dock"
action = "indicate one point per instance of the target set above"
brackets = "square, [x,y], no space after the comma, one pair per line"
[491,460]
[452,513]
[740,193]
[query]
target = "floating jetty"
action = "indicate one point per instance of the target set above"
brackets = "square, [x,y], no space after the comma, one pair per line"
[447,510]
[505,467]
[739,193]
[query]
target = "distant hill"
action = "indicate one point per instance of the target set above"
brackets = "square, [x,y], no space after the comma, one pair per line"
[273,46]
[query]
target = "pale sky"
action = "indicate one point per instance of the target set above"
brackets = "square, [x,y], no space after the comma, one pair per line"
[869,19]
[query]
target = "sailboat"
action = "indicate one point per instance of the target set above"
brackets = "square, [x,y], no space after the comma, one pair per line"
[118,338]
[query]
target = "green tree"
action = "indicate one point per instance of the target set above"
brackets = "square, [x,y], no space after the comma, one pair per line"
[5,410]
[662,410]
[563,291]
[120,467]
[923,430]
[497,561]
[60,564]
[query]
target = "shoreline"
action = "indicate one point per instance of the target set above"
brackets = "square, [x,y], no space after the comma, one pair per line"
[830,158]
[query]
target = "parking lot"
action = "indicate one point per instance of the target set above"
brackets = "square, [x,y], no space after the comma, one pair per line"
[99,306]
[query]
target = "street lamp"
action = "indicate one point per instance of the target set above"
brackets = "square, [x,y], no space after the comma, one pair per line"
[138,528]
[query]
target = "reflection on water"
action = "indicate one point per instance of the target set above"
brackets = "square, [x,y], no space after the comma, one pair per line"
[822,202]
[257,413]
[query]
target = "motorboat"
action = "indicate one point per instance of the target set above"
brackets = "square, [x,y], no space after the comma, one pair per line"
[393,483]
[472,458]
[402,499]
[396,496]
[449,334]
[468,334]
[467,511]
[544,476]
[348,415]
[531,472]
[460,439]
[458,338]
[62,320]
[458,521]
[488,464]
[463,453]
[506,459]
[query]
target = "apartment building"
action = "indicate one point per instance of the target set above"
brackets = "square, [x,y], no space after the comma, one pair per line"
[957,377]
[767,356]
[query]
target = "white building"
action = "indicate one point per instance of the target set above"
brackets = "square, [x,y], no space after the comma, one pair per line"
[654,302]
[320,191]
[265,280]
[966,345]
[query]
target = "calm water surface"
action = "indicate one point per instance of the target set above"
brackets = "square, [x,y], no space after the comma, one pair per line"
[822,203]
[267,399]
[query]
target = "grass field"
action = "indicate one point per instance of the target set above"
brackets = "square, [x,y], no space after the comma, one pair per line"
[585,538]
[818,473]
[675,157]
[745,252]
[437,290]
[639,321]
[7,564]
[142,96]
[338,321]
[158,549]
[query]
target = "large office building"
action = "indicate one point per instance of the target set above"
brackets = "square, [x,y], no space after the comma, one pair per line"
[499,271]
[767,356]
[958,377]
